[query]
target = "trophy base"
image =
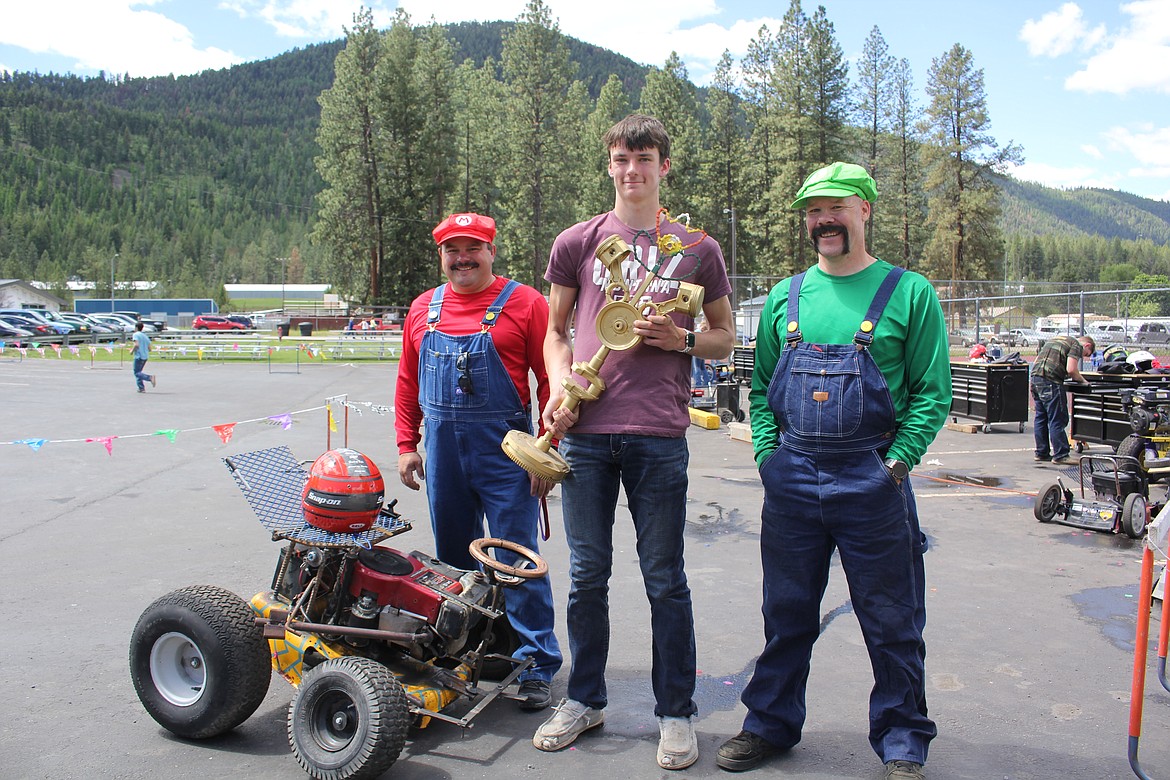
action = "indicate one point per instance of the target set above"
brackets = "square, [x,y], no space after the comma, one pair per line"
[526,451]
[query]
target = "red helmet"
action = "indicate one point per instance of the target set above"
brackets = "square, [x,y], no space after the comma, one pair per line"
[343,493]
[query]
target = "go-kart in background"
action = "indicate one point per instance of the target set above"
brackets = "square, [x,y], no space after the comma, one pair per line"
[1030,632]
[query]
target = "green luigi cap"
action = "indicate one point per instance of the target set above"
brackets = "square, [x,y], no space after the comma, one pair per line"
[839,180]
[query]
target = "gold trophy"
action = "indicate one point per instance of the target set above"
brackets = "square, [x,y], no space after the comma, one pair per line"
[615,329]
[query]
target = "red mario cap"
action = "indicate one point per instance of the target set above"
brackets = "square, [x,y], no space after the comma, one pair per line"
[474,226]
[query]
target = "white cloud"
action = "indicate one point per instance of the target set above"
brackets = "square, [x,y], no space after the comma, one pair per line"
[310,19]
[678,26]
[1058,32]
[1063,176]
[1138,58]
[111,35]
[1149,145]
[1092,151]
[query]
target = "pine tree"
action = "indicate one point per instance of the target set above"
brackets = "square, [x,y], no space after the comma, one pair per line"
[597,188]
[761,106]
[873,114]
[960,156]
[723,163]
[902,199]
[537,72]
[828,76]
[350,205]
[796,141]
[671,97]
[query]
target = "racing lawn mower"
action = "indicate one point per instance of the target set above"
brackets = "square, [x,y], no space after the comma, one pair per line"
[374,640]
[1120,482]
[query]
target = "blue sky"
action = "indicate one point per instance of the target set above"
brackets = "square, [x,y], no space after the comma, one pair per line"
[1081,86]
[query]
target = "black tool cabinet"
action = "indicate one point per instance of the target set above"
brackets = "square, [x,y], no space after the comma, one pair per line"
[990,393]
[1096,411]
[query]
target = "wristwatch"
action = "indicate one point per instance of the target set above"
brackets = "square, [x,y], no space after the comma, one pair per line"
[898,470]
[690,342]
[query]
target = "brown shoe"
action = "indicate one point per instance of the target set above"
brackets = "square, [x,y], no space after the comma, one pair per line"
[904,770]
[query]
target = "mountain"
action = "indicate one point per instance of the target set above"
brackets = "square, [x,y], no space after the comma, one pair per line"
[1034,210]
[199,180]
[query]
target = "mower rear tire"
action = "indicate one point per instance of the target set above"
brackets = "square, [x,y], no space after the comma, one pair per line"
[1134,446]
[348,720]
[1134,512]
[1048,501]
[199,662]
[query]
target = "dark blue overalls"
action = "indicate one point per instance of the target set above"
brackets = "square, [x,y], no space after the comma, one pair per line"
[826,486]
[469,404]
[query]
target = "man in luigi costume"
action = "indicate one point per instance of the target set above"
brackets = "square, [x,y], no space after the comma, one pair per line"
[851,384]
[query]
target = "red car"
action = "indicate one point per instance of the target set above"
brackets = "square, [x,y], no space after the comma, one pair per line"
[213,322]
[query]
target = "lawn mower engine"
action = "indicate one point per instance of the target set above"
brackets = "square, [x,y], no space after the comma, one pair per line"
[426,608]
[1148,408]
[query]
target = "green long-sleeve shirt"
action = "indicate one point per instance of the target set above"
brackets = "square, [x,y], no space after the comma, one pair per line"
[909,347]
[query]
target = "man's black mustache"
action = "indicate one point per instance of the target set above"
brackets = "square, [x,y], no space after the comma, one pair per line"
[821,230]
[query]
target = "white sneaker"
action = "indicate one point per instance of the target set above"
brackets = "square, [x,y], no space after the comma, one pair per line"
[677,748]
[570,718]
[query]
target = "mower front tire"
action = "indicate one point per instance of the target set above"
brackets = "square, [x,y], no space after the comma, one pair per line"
[1133,515]
[348,720]
[1048,502]
[199,662]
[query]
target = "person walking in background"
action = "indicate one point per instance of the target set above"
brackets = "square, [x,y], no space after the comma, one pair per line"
[1058,360]
[141,355]
[851,384]
[634,436]
[468,349]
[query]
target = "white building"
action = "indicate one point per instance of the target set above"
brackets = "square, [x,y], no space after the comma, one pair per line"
[19,294]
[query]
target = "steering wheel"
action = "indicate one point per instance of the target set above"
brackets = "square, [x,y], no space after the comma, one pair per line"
[509,575]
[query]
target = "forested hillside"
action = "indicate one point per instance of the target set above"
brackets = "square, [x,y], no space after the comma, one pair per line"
[201,180]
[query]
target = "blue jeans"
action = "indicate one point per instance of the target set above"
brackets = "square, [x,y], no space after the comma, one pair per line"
[1051,417]
[139,375]
[653,470]
[813,503]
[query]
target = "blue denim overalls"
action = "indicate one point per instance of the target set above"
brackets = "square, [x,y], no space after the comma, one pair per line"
[469,404]
[826,486]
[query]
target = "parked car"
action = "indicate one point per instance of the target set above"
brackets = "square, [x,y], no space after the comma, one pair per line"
[37,316]
[156,324]
[1028,337]
[99,331]
[1152,333]
[14,333]
[37,328]
[42,325]
[215,322]
[80,327]
[243,319]
[119,324]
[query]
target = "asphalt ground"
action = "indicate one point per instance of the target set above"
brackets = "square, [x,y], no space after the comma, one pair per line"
[1030,634]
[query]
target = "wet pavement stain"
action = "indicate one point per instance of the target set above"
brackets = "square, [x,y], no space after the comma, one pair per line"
[967,479]
[717,521]
[1081,537]
[1112,610]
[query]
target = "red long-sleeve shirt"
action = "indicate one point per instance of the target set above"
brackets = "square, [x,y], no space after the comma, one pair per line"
[518,337]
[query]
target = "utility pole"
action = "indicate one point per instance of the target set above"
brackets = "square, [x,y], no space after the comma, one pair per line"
[283,262]
[112,259]
[731,211]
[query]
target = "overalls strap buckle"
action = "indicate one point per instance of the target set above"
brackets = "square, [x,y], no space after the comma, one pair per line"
[492,315]
[863,338]
[794,336]
[434,309]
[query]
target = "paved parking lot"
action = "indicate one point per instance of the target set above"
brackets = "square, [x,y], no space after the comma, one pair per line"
[1030,633]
